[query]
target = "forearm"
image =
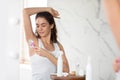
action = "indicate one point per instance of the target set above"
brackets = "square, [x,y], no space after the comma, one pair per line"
[112,10]
[65,67]
[54,61]
[34,10]
[52,58]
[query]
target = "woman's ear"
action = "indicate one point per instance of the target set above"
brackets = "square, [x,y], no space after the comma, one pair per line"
[52,26]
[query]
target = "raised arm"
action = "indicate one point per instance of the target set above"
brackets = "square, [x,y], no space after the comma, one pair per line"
[112,9]
[27,12]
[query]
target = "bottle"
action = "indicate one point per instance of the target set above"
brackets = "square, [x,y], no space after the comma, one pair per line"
[60,64]
[77,69]
[89,69]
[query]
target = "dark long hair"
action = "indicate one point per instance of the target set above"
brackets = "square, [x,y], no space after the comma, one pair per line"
[51,21]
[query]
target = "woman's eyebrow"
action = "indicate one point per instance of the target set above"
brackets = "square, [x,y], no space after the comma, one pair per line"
[41,24]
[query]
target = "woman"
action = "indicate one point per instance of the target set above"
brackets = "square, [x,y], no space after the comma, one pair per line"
[46,46]
[112,8]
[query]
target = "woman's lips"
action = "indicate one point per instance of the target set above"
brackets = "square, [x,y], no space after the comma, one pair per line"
[40,32]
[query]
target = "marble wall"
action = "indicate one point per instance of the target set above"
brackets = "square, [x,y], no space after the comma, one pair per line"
[83,30]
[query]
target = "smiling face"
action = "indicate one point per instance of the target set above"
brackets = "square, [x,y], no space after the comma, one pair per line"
[46,26]
[43,27]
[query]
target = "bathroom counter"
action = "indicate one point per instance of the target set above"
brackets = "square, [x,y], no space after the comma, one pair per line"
[69,77]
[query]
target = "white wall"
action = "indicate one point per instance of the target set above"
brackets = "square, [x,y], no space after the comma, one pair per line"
[9,39]
[83,30]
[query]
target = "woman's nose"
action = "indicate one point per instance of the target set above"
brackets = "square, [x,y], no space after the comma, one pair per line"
[39,28]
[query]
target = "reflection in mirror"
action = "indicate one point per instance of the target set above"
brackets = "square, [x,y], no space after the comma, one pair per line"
[83,31]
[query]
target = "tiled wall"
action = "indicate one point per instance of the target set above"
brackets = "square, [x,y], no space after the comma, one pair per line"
[83,30]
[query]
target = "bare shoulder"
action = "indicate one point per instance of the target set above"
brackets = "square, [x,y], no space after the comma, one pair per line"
[60,46]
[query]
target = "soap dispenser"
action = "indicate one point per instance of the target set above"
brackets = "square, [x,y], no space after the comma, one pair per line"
[89,69]
[60,64]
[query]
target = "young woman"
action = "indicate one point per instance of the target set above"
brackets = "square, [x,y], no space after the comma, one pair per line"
[46,48]
[112,9]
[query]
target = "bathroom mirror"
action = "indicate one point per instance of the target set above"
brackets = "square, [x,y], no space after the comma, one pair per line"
[84,31]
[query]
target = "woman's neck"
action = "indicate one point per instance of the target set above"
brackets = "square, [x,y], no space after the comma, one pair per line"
[46,40]
[48,44]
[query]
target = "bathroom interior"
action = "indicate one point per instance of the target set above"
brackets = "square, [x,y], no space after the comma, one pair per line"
[83,30]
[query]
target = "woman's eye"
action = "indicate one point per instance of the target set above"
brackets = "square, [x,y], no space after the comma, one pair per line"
[37,26]
[43,25]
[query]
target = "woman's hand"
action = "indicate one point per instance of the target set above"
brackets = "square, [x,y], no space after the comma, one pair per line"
[54,12]
[116,65]
[41,51]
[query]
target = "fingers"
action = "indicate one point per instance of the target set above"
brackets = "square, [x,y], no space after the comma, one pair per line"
[54,12]
[116,66]
[40,51]
[37,49]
